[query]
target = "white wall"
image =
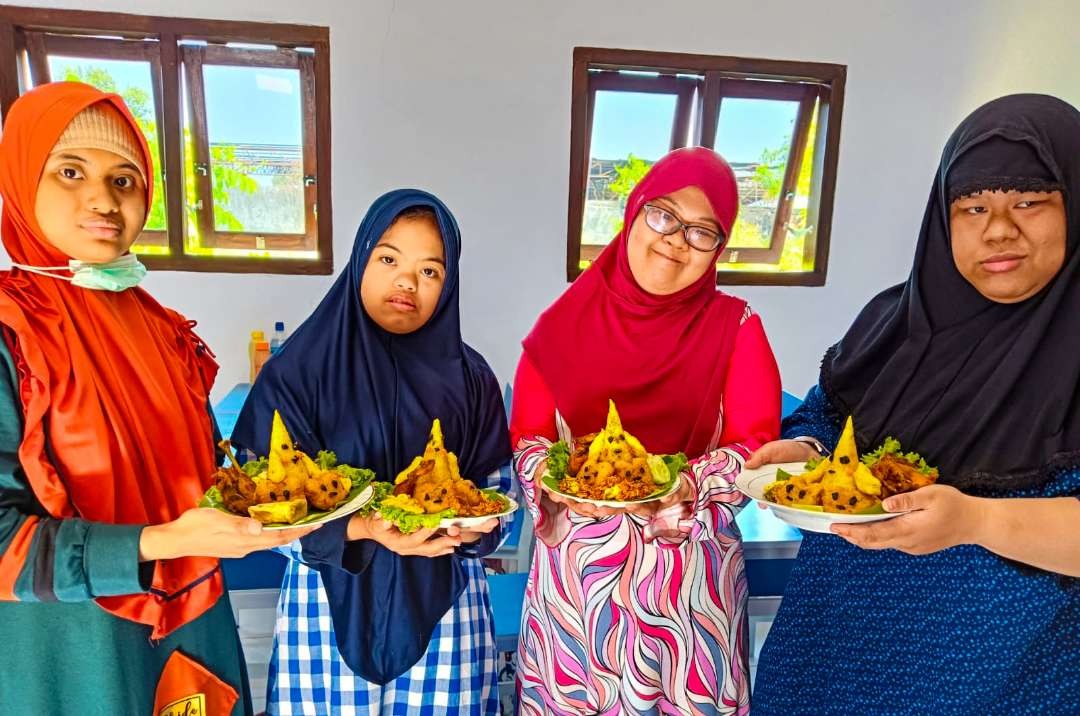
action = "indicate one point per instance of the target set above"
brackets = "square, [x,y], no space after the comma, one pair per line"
[471,99]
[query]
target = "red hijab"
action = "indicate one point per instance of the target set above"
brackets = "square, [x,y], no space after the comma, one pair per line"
[113,386]
[663,359]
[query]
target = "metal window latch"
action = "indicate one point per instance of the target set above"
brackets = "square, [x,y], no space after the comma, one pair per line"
[309,180]
[201,169]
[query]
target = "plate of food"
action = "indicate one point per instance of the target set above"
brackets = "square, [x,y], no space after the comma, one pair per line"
[840,489]
[431,493]
[611,468]
[288,488]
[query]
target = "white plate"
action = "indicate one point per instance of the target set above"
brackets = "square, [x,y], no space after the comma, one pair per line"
[467,522]
[672,487]
[362,498]
[752,483]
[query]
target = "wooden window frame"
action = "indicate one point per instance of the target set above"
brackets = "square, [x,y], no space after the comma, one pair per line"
[714,78]
[27,35]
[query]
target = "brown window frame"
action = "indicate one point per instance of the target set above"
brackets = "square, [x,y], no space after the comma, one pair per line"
[714,78]
[28,35]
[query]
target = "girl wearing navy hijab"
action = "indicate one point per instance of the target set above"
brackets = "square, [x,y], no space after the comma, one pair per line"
[371,621]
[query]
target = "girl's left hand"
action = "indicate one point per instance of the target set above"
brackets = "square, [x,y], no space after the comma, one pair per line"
[474,533]
[938,517]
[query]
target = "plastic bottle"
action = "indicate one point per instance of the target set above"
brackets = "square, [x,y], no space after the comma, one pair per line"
[256,337]
[278,339]
[262,354]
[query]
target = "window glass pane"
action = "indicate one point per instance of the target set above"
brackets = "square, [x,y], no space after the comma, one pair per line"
[630,131]
[754,135]
[132,80]
[793,258]
[254,121]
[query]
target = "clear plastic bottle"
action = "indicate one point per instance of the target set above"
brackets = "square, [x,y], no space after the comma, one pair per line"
[278,339]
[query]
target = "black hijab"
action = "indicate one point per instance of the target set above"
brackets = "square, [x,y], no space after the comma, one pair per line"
[986,391]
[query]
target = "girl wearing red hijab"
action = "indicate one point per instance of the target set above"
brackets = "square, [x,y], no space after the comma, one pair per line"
[644,611]
[111,594]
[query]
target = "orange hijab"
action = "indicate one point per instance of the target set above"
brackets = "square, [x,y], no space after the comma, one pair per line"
[114,387]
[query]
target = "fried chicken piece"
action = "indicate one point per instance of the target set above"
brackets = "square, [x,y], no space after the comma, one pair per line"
[795,491]
[237,489]
[434,473]
[434,481]
[897,475]
[609,465]
[405,488]
[472,502]
[846,499]
[325,490]
[433,490]
[290,487]
[580,454]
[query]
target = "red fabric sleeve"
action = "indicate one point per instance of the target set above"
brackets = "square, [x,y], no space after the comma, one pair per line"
[532,410]
[751,390]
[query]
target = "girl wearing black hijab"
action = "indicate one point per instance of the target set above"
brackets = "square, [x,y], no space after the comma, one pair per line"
[968,603]
[370,620]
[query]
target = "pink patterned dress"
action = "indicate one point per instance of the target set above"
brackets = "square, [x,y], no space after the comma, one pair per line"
[632,615]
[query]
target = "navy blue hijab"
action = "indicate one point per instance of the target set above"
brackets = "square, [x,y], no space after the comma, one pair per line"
[342,383]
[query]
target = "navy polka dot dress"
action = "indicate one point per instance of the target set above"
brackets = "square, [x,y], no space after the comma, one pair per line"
[962,631]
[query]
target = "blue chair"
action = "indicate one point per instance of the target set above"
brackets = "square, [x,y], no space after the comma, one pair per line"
[507,597]
[788,403]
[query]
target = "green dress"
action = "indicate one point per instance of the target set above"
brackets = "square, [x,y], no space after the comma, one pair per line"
[60,653]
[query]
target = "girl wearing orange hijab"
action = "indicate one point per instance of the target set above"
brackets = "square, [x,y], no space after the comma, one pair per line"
[111,594]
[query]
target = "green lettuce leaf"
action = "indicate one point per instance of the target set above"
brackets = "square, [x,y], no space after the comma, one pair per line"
[326,459]
[381,490]
[892,446]
[558,460]
[212,498]
[408,522]
[252,468]
[358,475]
[675,463]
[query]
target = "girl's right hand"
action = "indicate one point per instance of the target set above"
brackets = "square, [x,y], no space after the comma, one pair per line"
[206,532]
[779,451]
[421,543]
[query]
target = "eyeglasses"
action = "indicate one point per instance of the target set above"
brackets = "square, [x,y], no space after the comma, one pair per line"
[664,222]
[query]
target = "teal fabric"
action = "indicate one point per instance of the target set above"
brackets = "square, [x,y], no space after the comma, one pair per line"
[60,652]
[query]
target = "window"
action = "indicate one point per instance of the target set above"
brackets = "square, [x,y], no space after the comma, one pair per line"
[237,115]
[776,122]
